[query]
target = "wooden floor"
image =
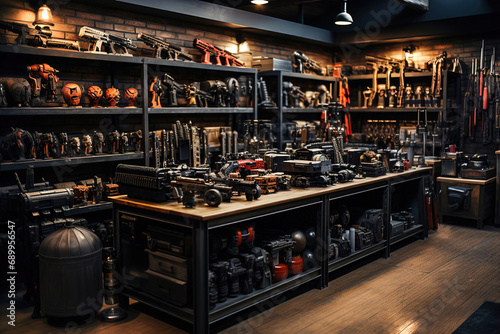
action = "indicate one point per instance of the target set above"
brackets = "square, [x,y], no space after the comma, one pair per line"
[428,286]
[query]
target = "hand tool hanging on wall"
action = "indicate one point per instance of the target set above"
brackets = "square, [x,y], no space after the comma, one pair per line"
[437,77]
[345,101]
[374,82]
[488,101]
[388,65]
[480,120]
[497,107]
[468,105]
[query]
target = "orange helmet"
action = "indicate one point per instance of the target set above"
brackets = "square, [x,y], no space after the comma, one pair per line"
[72,93]
[112,96]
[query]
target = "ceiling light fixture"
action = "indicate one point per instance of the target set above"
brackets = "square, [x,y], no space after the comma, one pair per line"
[344,19]
[44,17]
[259,2]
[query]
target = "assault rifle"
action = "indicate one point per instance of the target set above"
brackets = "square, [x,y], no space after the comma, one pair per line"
[173,89]
[305,64]
[97,38]
[38,36]
[217,53]
[163,49]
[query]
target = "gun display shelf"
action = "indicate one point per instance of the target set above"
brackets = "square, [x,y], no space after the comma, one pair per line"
[82,66]
[204,70]
[275,79]
[134,216]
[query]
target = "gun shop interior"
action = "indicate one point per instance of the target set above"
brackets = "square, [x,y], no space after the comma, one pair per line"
[244,166]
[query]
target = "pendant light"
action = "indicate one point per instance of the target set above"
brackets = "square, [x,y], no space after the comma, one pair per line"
[44,17]
[344,19]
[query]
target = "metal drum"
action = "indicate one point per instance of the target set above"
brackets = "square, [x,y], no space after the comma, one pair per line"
[71,272]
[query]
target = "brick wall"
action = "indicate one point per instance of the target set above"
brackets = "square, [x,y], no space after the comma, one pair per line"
[71,16]
[466,47]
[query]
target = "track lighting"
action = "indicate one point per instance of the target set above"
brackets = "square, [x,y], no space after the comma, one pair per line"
[344,19]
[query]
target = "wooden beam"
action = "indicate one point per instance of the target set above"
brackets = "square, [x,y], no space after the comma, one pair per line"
[208,13]
[422,5]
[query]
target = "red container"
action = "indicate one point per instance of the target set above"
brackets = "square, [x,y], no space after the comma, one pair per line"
[280,272]
[296,267]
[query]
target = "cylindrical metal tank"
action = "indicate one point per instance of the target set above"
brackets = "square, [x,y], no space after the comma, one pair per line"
[71,272]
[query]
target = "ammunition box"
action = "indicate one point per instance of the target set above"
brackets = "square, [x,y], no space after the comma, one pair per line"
[272,64]
[477,174]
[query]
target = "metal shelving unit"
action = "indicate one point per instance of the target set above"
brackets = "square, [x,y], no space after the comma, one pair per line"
[280,110]
[448,111]
[209,110]
[341,262]
[302,110]
[75,112]
[70,161]
[63,53]
[146,64]
[391,110]
[89,208]
[234,305]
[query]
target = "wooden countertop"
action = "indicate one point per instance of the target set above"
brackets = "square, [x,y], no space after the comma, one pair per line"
[466,181]
[239,204]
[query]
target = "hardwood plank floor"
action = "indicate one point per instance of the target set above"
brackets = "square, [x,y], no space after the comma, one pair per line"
[428,286]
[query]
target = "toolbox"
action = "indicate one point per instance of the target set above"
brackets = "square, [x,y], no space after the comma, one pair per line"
[169,265]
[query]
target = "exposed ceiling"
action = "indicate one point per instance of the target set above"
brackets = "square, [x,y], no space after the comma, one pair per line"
[310,12]
[375,21]
[389,19]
